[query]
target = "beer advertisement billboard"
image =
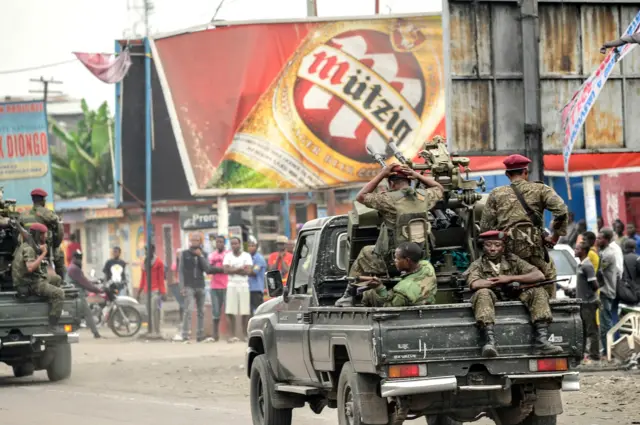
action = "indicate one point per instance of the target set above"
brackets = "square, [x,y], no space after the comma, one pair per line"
[301,105]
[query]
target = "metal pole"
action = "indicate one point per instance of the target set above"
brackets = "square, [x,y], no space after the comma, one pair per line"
[312,8]
[148,147]
[531,75]
[117,156]
[377,10]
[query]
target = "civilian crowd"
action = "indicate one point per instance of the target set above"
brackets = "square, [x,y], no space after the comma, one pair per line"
[608,274]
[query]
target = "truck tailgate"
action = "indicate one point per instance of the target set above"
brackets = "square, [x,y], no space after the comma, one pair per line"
[30,315]
[448,333]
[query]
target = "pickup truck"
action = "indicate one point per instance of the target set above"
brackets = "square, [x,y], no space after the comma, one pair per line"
[387,365]
[26,343]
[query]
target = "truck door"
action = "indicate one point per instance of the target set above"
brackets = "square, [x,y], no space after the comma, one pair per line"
[292,333]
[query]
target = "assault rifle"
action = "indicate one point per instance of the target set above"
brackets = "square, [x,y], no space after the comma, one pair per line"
[362,281]
[517,287]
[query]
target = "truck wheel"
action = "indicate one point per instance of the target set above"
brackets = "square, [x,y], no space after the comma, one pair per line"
[540,420]
[348,410]
[60,366]
[22,370]
[262,386]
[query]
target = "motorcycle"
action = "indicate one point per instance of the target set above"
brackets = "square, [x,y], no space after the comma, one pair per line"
[119,312]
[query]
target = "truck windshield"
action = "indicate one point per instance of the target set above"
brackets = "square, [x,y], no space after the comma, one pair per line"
[565,264]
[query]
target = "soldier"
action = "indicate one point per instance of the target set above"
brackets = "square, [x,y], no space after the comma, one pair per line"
[40,214]
[30,276]
[518,211]
[417,287]
[495,268]
[400,201]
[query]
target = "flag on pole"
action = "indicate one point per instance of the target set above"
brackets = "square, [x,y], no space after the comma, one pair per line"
[106,67]
[574,113]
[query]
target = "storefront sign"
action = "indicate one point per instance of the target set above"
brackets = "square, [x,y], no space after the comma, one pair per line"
[103,214]
[200,221]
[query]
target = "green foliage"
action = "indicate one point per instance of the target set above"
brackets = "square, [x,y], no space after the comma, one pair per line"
[85,168]
[231,175]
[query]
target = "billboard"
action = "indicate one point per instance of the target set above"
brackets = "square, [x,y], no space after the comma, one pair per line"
[300,105]
[25,162]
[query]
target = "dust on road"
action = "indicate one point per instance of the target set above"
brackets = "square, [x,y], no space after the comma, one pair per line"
[118,381]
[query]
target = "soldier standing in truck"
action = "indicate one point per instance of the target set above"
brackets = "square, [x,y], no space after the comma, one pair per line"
[39,213]
[495,268]
[517,210]
[401,200]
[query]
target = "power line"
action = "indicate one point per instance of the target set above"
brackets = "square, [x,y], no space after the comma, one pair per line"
[35,68]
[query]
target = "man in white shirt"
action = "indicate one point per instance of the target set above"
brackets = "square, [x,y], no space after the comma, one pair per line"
[617,252]
[237,265]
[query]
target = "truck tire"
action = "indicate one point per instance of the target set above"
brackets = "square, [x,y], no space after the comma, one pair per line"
[60,366]
[540,420]
[23,370]
[261,388]
[441,420]
[348,410]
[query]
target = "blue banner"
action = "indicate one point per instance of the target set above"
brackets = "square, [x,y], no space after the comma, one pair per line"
[25,160]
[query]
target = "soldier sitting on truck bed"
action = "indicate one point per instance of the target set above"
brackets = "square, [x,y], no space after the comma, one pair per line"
[417,287]
[41,214]
[496,268]
[396,207]
[29,273]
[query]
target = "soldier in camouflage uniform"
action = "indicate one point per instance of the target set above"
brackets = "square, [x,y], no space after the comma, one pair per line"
[29,273]
[495,268]
[524,229]
[400,199]
[417,287]
[41,214]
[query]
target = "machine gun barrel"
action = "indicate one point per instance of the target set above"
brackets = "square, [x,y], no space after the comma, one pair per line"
[378,157]
[396,152]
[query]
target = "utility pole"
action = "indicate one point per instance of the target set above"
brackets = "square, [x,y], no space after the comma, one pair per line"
[533,145]
[312,8]
[45,91]
[377,8]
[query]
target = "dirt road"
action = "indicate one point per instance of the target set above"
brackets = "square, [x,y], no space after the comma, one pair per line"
[157,383]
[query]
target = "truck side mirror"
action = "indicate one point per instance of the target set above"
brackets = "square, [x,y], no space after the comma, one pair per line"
[274,283]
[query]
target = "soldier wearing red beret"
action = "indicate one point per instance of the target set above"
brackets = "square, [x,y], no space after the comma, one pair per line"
[30,276]
[39,213]
[401,199]
[518,211]
[495,267]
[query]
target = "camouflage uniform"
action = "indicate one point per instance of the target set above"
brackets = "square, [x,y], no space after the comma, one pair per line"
[417,288]
[504,212]
[370,260]
[483,301]
[40,214]
[39,282]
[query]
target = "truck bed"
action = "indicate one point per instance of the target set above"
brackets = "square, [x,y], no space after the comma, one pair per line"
[30,315]
[443,336]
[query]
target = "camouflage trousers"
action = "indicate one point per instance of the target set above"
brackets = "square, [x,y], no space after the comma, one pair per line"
[58,263]
[536,300]
[50,289]
[368,263]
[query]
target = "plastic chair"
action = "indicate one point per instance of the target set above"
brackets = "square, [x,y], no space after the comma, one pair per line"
[629,327]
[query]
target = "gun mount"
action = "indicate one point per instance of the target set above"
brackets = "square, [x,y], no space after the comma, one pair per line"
[454,229]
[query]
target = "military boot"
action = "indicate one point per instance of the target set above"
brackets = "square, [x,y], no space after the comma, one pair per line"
[489,348]
[53,324]
[542,344]
[347,298]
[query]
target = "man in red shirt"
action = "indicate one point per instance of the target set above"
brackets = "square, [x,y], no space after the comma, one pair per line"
[281,259]
[71,247]
[158,287]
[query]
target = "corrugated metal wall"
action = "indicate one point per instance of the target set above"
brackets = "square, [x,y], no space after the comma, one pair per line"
[486,65]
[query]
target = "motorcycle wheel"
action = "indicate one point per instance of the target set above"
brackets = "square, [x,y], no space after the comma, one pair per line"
[125,321]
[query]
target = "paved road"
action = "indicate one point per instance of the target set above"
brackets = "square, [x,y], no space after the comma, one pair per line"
[157,383]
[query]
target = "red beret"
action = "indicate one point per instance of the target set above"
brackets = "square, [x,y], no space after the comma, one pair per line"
[516,162]
[39,227]
[39,192]
[492,235]
[398,173]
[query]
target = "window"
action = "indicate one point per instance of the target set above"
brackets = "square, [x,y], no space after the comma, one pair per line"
[341,251]
[564,262]
[304,259]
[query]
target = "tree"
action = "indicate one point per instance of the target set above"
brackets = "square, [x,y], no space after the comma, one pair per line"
[85,169]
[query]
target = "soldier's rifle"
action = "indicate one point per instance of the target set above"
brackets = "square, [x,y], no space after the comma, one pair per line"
[515,287]
[363,281]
